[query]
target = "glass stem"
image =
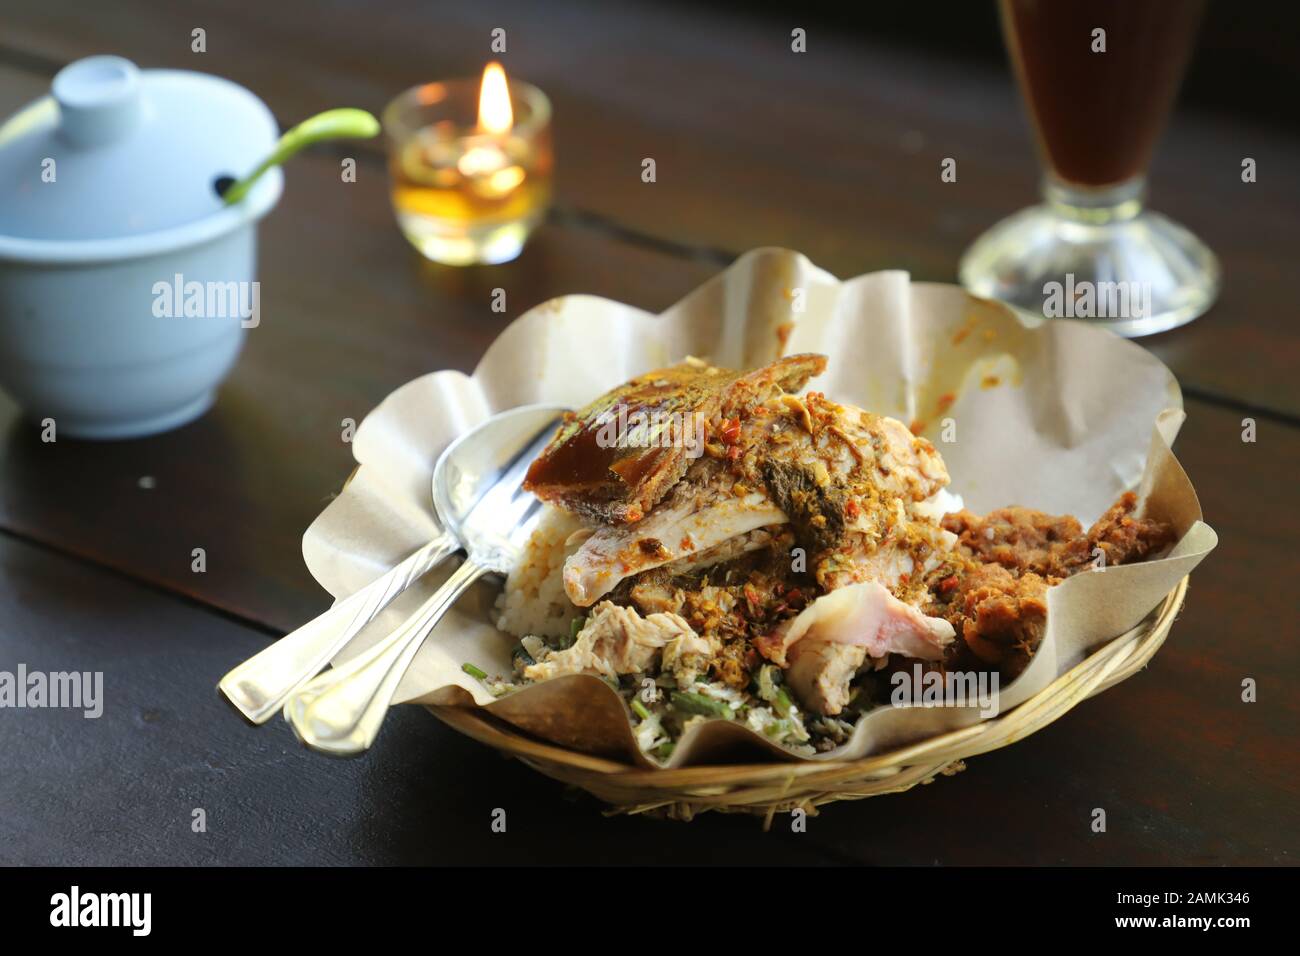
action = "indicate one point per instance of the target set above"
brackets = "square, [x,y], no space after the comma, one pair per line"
[1096,206]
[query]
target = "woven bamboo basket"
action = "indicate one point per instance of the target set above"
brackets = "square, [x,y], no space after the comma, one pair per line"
[772,788]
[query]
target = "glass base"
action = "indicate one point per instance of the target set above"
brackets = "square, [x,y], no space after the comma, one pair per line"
[1096,256]
[457,244]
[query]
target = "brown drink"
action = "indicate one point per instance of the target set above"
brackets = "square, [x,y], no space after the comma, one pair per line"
[1098,115]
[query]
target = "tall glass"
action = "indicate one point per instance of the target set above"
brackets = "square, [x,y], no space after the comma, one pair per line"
[1099,78]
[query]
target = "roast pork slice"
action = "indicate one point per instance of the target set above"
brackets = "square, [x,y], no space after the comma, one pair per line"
[617,458]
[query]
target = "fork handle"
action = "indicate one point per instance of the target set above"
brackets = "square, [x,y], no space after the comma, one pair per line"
[340,711]
[260,686]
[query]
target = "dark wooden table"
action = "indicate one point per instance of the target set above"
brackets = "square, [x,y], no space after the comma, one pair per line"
[835,153]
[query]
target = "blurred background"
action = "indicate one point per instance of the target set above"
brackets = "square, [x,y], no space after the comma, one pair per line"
[1245,62]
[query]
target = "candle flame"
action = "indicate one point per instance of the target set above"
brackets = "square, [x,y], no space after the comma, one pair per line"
[494,113]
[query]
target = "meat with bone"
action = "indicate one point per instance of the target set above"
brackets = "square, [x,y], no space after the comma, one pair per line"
[821,674]
[694,519]
[616,458]
[834,472]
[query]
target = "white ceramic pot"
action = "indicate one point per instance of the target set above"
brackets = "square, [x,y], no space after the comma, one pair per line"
[126,285]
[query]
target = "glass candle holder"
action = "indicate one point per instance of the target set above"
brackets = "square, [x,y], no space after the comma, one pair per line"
[467,186]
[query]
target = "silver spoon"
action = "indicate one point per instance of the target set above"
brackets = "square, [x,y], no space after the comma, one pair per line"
[478,496]
[260,686]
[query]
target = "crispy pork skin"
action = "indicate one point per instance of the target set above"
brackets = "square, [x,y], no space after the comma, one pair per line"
[616,458]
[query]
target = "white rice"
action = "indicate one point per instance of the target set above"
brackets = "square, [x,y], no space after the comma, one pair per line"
[533,601]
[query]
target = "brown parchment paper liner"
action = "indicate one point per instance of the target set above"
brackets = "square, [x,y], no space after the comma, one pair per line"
[1062,417]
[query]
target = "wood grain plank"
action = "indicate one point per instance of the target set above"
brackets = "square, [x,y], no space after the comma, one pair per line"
[121,789]
[835,152]
[349,313]
[1187,772]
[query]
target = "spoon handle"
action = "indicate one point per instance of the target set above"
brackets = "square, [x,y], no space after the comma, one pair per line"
[260,686]
[341,710]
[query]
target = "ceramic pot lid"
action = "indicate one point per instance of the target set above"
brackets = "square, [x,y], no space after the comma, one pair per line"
[116,152]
